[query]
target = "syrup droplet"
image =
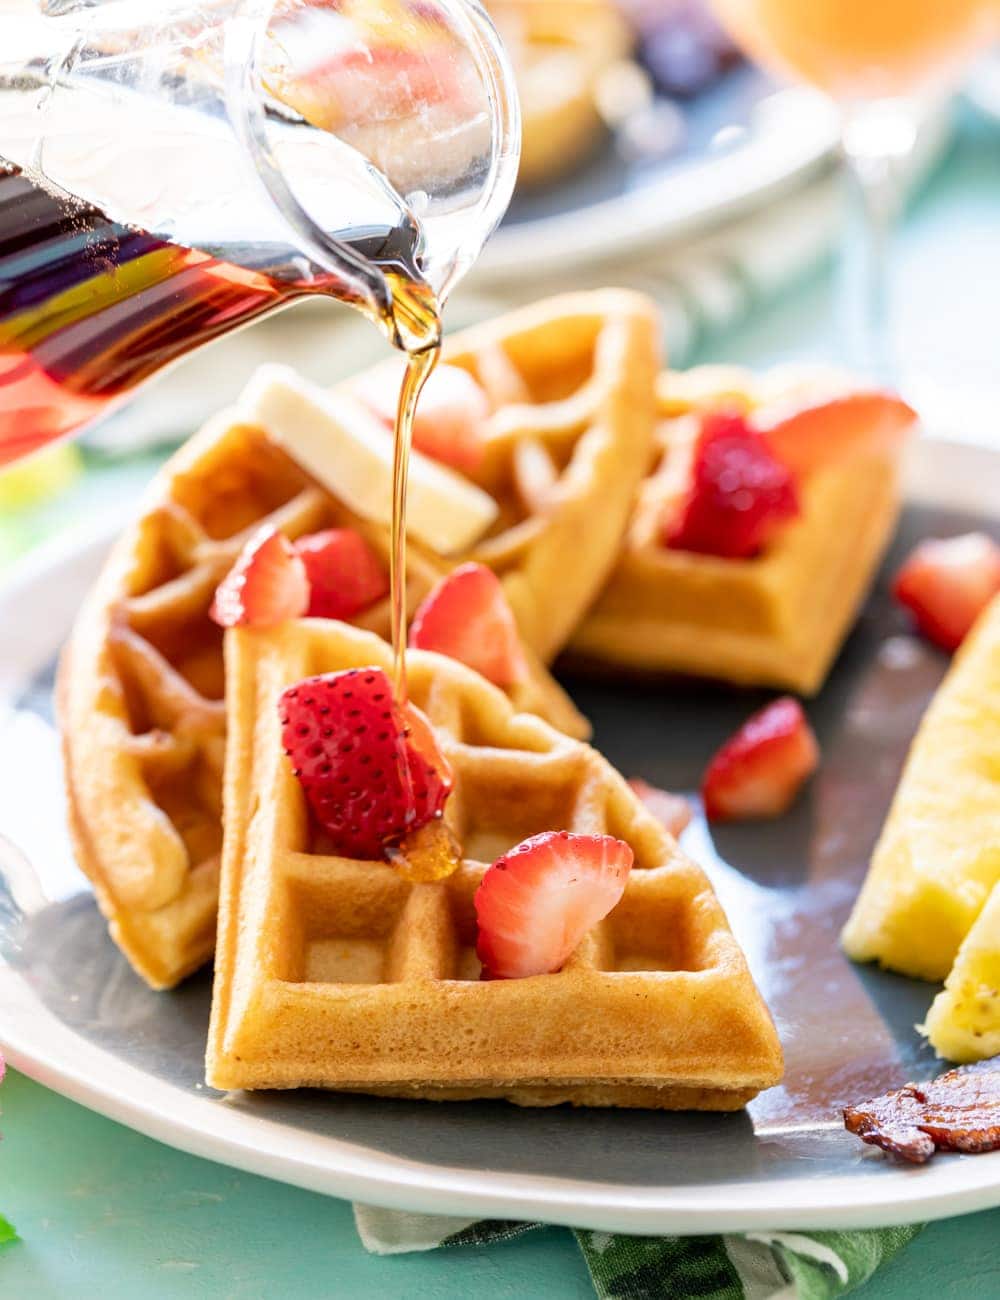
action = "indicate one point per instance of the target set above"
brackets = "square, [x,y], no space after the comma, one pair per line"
[430,853]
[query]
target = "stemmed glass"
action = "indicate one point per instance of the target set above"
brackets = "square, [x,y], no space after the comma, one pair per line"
[883,62]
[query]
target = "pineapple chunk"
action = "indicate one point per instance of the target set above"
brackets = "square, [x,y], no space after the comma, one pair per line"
[963,1023]
[938,857]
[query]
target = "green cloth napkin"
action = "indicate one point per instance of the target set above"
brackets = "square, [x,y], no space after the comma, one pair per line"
[8,1232]
[751,1266]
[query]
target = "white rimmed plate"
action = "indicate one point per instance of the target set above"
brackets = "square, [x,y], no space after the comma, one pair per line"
[73,1016]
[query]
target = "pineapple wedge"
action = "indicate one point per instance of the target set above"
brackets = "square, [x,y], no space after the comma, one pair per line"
[938,857]
[963,1023]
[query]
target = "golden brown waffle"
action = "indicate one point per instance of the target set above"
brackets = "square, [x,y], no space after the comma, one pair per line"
[571,381]
[571,385]
[559,49]
[338,973]
[141,689]
[775,620]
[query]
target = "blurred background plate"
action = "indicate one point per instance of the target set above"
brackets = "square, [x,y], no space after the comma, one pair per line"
[983,88]
[744,140]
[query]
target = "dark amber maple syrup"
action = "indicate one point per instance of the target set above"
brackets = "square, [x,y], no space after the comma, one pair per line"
[90,307]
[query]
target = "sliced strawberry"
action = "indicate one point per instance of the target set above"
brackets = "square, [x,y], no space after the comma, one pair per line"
[450,418]
[537,902]
[739,493]
[344,572]
[265,586]
[833,431]
[758,772]
[368,780]
[946,584]
[379,83]
[672,811]
[467,617]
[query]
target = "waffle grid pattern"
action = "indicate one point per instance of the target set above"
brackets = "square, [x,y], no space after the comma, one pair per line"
[774,620]
[336,973]
[571,383]
[141,687]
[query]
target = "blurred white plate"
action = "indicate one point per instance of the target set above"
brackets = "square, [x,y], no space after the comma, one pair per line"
[984,86]
[747,142]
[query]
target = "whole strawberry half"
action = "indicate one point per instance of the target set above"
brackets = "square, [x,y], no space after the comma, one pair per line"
[759,771]
[537,902]
[946,584]
[739,493]
[345,574]
[265,586]
[467,617]
[371,772]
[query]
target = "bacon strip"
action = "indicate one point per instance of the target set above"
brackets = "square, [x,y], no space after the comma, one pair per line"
[958,1111]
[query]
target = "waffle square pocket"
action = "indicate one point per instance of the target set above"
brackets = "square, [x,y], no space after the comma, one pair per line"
[338,973]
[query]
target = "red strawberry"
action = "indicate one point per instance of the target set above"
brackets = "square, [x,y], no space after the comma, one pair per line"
[371,772]
[853,424]
[738,495]
[672,811]
[378,83]
[345,573]
[758,772]
[537,902]
[467,617]
[451,414]
[265,586]
[946,584]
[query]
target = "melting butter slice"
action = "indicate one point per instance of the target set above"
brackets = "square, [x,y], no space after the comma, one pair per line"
[347,449]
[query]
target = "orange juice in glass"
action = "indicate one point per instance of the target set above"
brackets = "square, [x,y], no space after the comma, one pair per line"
[878,59]
[861,49]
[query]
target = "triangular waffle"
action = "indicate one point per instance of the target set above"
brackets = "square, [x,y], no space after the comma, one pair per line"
[938,856]
[141,687]
[571,386]
[337,973]
[572,383]
[777,619]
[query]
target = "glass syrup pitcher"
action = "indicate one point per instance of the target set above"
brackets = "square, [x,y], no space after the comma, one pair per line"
[171,171]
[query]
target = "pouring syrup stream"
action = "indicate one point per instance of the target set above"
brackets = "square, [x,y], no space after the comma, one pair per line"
[416,326]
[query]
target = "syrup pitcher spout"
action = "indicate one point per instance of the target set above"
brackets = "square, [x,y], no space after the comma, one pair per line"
[326,144]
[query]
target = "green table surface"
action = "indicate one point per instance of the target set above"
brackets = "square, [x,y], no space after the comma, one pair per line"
[106,1212]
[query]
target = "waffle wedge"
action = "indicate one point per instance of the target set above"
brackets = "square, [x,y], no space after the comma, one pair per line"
[141,686]
[775,620]
[570,382]
[938,856]
[337,973]
[559,49]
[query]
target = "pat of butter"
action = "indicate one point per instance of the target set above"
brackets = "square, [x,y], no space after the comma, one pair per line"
[347,449]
